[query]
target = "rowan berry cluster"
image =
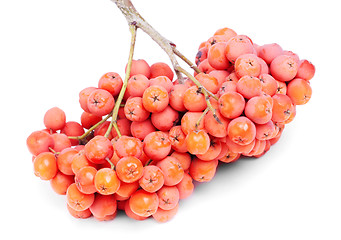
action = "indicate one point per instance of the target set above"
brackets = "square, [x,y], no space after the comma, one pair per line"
[168,133]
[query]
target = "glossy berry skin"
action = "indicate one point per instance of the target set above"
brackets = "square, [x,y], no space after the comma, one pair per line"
[155,98]
[140,66]
[203,171]
[269,52]
[143,203]
[64,160]
[84,179]
[299,91]
[185,186]
[79,214]
[197,142]
[168,197]
[237,46]
[213,127]
[231,104]
[247,64]
[127,189]
[98,149]
[306,70]
[281,108]
[194,100]
[161,69]
[100,102]
[61,141]
[60,183]
[79,161]
[157,145]
[165,215]
[249,86]
[166,119]
[73,129]
[129,169]
[241,130]
[152,179]
[130,213]
[176,96]
[189,120]
[54,119]
[128,146]
[134,110]
[172,170]
[77,200]
[103,205]
[141,129]
[112,82]
[45,166]
[259,110]
[177,139]
[216,56]
[83,97]
[136,85]
[162,81]
[284,68]
[212,152]
[106,181]
[38,142]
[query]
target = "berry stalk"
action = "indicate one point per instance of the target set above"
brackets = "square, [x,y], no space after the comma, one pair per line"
[132,28]
[133,17]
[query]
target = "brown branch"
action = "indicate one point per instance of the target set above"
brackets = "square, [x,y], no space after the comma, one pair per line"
[133,16]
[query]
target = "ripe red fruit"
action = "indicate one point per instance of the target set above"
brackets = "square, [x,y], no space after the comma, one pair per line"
[157,145]
[140,66]
[306,70]
[144,204]
[45,166]
[299,91]
[128,146]
[172,170]
[73,129]
[161,69]
[241,130]
[152,178]
[197,142]
[106,181]
[98,149]
[155,98]
[39,141]
[54,119]
[129,169]
[284,68]
[112,82]
[100,102]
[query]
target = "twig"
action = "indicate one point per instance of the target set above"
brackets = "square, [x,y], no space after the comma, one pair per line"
[91,129]
[186,60]
[200,118]
[133,16]
[113,123]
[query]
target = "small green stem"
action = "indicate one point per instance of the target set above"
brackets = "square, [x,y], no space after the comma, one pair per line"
[148,162]
[196,82]
[91,129]
[200,119]
[112,166]
[113,123]
[53,151]
[186,60]
[204,91]
[117,129]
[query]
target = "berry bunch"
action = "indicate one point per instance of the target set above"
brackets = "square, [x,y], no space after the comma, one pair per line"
[169,133]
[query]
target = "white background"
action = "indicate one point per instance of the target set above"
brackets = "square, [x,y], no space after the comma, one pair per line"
[50,50]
